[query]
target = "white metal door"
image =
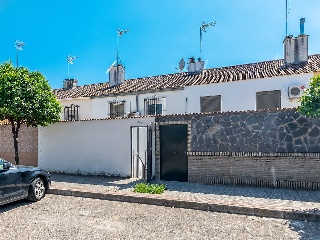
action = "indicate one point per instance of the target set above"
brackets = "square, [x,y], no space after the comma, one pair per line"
[139,144]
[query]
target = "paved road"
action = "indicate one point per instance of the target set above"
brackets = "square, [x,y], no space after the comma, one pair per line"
[60,217]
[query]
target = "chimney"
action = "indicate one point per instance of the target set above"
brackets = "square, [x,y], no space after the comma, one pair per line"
[70,83]
[116,75]
[302,21]
[296,48]
[195,67]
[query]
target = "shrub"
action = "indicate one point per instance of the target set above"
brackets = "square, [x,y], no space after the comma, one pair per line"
[149,188]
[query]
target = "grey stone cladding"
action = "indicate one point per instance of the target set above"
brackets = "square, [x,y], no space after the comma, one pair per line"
[266,132]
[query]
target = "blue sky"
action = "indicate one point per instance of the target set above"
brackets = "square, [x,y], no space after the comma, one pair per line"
[161,33]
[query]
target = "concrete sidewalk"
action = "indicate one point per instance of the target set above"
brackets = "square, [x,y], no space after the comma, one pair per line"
[256,201]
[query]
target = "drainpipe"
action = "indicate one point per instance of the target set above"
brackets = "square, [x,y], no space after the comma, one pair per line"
[137,102]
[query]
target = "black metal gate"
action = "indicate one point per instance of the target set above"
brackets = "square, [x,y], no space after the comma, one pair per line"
[173,152]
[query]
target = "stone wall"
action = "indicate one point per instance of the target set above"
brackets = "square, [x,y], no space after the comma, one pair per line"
[267,148]
[28,145]
[266,132]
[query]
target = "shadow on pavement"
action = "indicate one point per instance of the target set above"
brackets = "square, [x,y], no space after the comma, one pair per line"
[14,205]
[305,229]
[245,191]
[184,187]
[117,182]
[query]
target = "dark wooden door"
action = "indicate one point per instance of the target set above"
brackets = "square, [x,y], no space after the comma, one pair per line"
[173,152]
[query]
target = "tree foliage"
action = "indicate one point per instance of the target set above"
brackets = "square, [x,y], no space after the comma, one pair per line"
[310,101]
[26,97]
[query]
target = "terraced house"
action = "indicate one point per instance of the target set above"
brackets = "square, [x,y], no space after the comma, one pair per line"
[254,86]
[219,125]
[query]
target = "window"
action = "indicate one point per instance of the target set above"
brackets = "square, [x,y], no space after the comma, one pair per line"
[268,99]
[1,164]
[71,113]
[154,106]
[116,109]
[210,103]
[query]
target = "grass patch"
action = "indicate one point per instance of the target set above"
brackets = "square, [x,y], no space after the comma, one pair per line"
[149,188]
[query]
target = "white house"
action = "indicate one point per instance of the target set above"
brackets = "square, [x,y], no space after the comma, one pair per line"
[254,86]
[106,144]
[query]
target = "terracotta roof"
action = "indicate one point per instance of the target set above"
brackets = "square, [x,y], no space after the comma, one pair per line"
[213,75]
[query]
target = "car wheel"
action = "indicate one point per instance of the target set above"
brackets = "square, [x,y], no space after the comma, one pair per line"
[36,190]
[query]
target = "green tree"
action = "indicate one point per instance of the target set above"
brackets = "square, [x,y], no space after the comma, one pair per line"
[310,101]
[26,98]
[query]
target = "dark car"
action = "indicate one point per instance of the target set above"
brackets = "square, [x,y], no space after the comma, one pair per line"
[19,182]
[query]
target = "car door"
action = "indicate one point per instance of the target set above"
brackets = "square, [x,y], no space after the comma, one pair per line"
[2,195]
[10,184]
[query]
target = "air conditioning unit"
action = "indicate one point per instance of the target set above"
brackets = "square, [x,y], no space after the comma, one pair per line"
[133,114]
[296,91]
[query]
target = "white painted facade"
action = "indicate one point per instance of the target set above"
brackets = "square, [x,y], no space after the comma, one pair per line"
[85,103]
[235,96]
[241,95]
[89,147]
[135,103]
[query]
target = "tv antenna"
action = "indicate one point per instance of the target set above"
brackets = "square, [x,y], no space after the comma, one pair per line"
[70,60]
[19,46]
[120,32]
[288,8]
[203,28]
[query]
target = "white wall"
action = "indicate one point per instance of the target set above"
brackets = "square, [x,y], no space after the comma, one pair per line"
[88,147]
[175,103]
[100,106]
[241,95]
[85,110]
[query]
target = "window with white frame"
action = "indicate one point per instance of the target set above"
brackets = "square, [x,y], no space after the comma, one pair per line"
[154,106]
[71,113]
[116,109]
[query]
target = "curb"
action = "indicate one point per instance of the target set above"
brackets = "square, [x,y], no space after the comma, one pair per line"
[179,203]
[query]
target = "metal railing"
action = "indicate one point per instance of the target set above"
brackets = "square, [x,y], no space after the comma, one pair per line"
[71,113]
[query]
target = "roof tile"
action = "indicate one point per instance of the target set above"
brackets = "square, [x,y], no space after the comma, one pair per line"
[214,75]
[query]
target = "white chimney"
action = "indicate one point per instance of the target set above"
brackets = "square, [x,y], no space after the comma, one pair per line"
[116,75]
[296,48]
[70,83]
[195,67]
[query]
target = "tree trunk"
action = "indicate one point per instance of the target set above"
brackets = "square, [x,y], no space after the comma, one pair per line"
[15,132]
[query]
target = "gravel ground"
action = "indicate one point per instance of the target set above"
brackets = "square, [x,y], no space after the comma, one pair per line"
[61,217]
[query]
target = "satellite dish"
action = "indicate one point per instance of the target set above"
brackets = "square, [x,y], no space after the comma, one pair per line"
[182,64]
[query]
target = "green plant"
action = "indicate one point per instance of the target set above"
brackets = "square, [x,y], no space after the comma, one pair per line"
[310,101]
[26,98]
[149,188]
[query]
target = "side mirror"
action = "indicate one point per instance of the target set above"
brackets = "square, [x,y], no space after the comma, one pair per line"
[6,165]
